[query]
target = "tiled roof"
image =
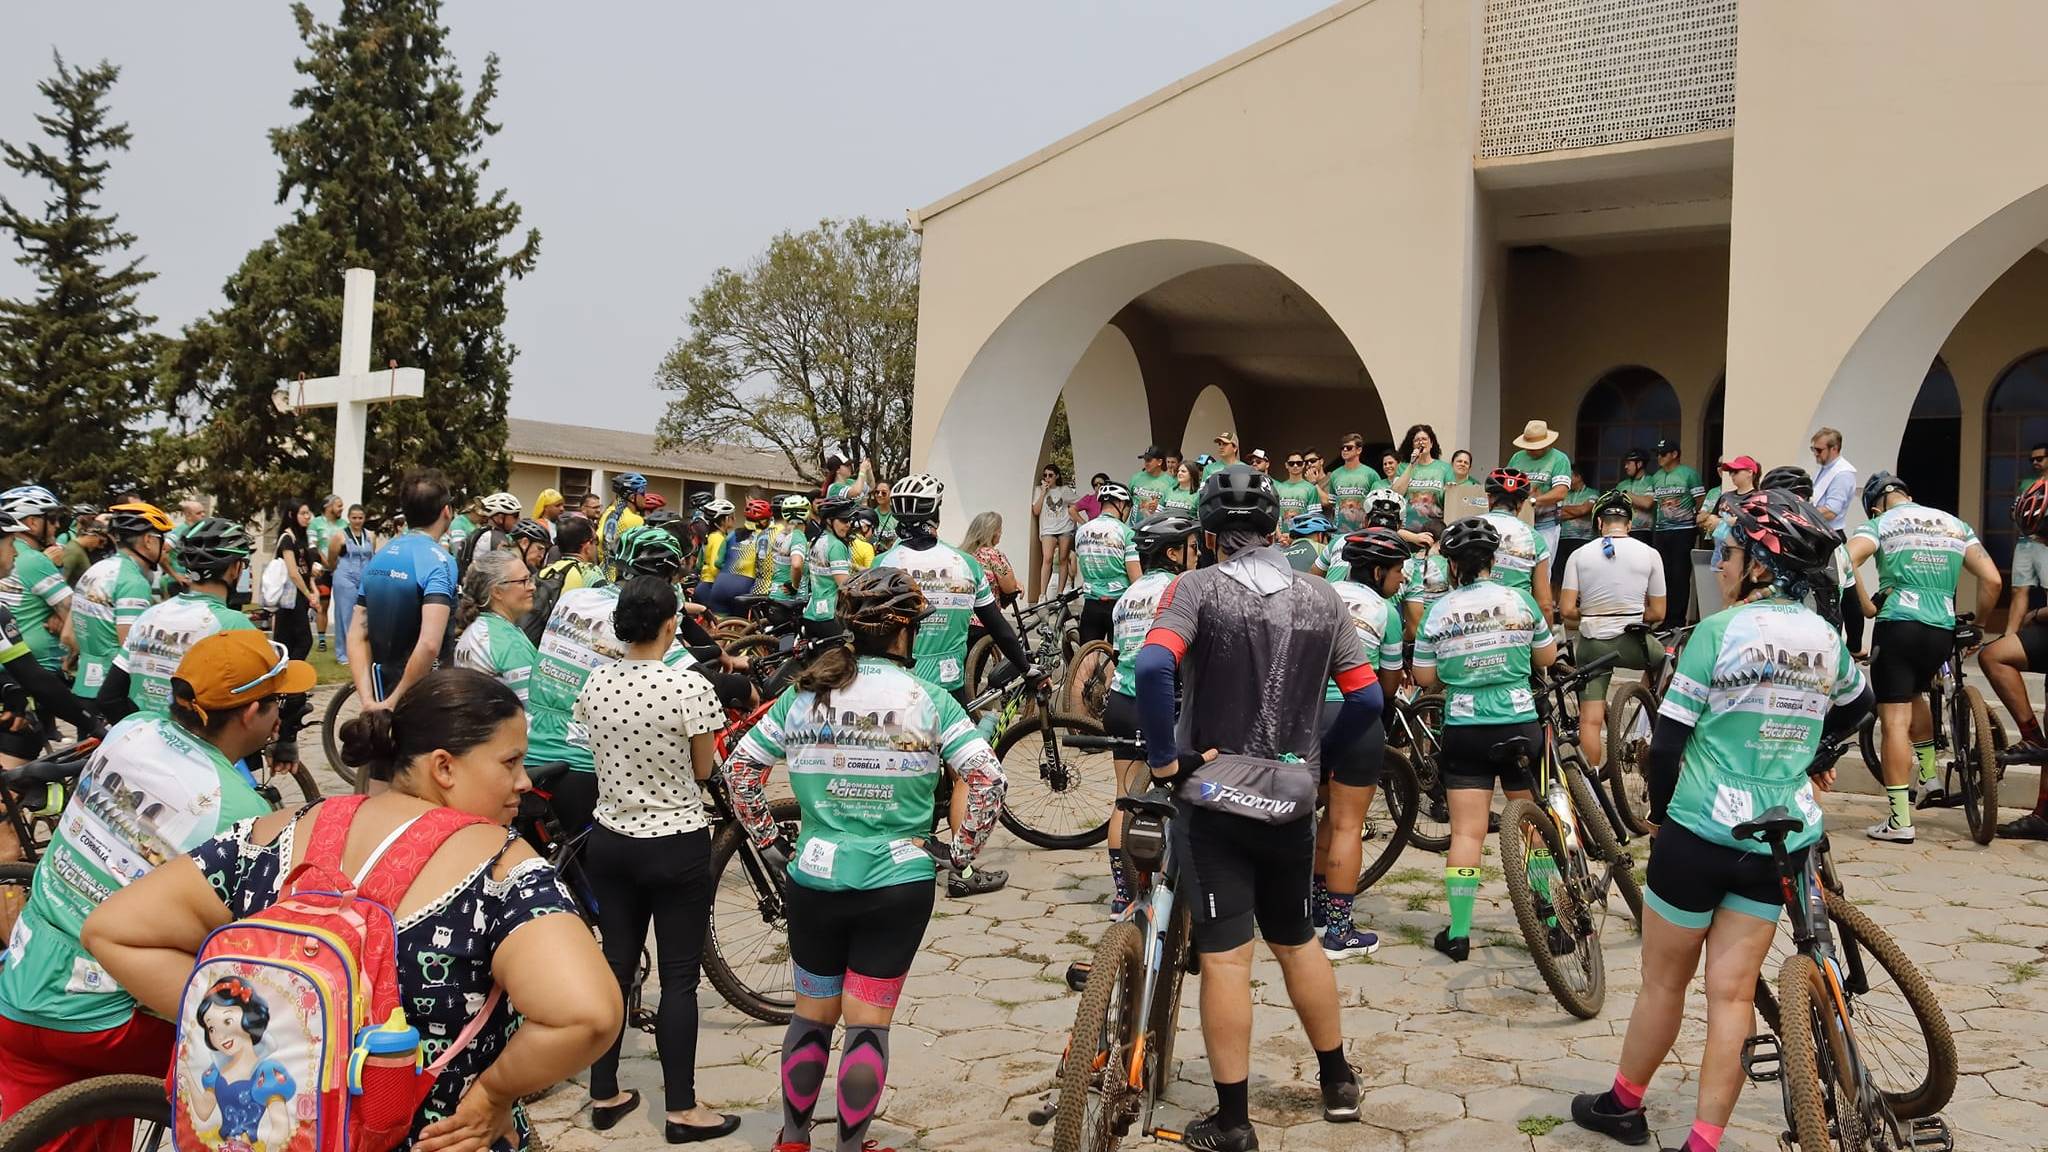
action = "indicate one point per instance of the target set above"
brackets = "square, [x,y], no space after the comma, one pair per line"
[574,444]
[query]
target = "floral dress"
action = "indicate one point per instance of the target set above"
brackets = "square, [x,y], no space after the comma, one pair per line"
[444,950]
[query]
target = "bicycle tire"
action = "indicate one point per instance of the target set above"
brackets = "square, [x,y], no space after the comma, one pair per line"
[732,957]
[1516,821]
[1431,832]
[1089,675]
[976,669]
[1909,1093]
[730,628]
[1400,799]
[1164,1026]
[295,789]
[99,1099]
[1086,790]
[1810,1071]
[1628,750]
[753,643]
[1104,1028]
[340,709]
[1981,761]
[1621,867]
[1870,746]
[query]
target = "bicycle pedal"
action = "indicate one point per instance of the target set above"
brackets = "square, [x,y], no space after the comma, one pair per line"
[1169,1136]
[1930,1133]
[1042,1115]
[1077,974]
[1761,1060]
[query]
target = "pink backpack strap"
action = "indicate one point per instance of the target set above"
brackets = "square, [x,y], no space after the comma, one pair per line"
[400,863]
[330,832]
[470,1031]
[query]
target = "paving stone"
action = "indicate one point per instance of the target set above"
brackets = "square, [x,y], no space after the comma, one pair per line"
[1317,1136]
[2022,1083]
[1467,1135]
[2004,1122]
[1460,1076]
[1408,1109]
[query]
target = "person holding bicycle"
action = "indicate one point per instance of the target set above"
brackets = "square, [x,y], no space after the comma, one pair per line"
[1479,642]
[1921,555]
[1613,594]
[63,1018]
[2022,649]
[858,881]
[1759,688]
[1252,644]
[1165,543]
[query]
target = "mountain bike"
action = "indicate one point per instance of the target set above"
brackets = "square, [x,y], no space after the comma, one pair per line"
[1964,744]
[1631,716]
[1415,724]
[1060,792]
[1050,631]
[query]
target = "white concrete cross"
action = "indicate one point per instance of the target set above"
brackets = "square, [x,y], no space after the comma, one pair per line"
[352,392]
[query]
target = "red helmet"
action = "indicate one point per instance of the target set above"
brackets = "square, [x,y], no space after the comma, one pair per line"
[2030,508]
[653,500]
[759,510]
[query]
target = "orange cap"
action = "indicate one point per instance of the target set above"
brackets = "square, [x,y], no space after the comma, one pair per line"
[230,669]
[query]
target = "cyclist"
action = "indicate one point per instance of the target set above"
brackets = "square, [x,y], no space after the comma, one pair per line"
[25,683]
[957,591]
[1848,578]
[718,516]
[1373,562]
[1676,491]
[1758,689]
[497,593]
[1106,554]
[115,592]
[1308,536]
[1253,645]
[1575,523]
[1548,471]
[576,566]
[1613,595]
[1150,484]
[1348,484]
[88,543]
[736,562]
[1479,642]
[408,597]
[62,1018]
[831,566]
[1522,558]
[36,594]
[1635,483]
[862,544]
[859,878]
[214,553]
[629,495]
[1297,495]
[1165,545]
[1921,555]
[787,546]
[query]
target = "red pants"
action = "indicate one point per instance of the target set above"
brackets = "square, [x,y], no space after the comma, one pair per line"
[35,1061]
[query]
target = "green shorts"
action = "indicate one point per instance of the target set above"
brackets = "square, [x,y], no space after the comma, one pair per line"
[1641,651]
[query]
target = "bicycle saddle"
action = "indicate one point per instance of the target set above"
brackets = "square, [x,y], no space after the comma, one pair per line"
[546,776]
[751,600]
[1004,673]
[1153,802]
[1515,751]
[1774,825]
[40,772]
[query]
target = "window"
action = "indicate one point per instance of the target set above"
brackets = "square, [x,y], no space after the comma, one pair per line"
[1712,425]
[1630,407]
[572,483]
[2014,421]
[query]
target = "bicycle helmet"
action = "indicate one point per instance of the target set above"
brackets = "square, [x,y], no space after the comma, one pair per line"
[666,519]
[701,500]
[1383,517]
[29,500]
[1385,500]
[9,525]
[866,518]
[1786,532]
[1162,530]
[629,483]
[1239,497]
[836,508]
[1474,538]
[2030,508]
[532,532]
[881,600]
[137,519]
[652,501]
[650,551]
[212,546]
[84,511]
[1613,505]
[1880,485]
[759,509]
[718,508]
[1511,485]
[1375,548]
[794,507]
[1789,477]
[915,497]
[1113,491]
[501,504]
[1308,524]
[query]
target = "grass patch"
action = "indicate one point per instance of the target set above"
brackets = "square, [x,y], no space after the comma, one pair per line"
[2023,972]
[1980,937]
[1006,1005]
[1419,901]
[1076,937]
[1410,934]
[1411,876]
[323,663]
[1538,1125]
[1049,978]
[1503,940]
[940,914]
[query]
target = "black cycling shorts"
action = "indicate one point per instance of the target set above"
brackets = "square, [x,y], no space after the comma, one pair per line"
[1358,766]
[1237,871]
[1096,618]
[1470,760]
[1120,716]
[2034,642]
[1904,657]
[874,932]
[1690,878]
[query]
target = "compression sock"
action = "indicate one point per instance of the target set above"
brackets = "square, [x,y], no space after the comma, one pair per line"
[1542,873]
[1461,886]
[1116,876]
[1902,805]
[1925,753]
[1319,897]
[806,1047]
[1626,1094]
[1332,1067]
[863,1073]
[1704,1137]
[1233,1104]
[1339,924]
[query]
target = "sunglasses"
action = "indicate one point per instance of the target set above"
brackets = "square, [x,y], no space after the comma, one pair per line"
[2038,459]
[284,661]
[1351,447]
[1295,463]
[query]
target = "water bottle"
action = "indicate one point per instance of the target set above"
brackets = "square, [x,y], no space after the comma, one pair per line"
[385,1074]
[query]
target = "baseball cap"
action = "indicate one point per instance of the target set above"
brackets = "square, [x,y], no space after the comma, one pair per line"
[1229,438]
[1664,446]
[1155,452]
[231,669]
[1205,460]
[1259,454]
[1739,464]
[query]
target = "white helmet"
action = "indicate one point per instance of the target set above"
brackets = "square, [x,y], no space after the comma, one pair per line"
[916,497]
[1384,498]
[718,508]
[501,504]
[28,500]
[1113,491]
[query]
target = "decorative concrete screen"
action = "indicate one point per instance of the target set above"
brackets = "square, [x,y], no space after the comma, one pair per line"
[1560,74]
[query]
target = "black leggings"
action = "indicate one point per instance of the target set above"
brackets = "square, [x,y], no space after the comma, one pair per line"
[666,879]
[1675,546]
[293,628]
[1096,618]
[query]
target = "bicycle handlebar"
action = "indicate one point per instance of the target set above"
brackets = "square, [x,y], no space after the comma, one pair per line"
[1125,747]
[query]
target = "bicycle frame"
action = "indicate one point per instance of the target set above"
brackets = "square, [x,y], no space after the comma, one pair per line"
[1154,916]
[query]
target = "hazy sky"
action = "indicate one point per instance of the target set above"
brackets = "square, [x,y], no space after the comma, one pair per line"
[650,143]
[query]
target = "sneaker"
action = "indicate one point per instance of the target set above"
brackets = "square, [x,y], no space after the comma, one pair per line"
[1352,943]
[975,882]
[1883,830]
[1600,1112]
[2032,826]
[1458,949]
[1340,1102]
[1206,1135]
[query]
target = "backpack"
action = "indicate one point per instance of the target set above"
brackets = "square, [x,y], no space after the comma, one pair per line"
[310,985]
[275,585]
[547,588]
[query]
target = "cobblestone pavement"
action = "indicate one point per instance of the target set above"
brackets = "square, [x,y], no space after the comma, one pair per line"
[1467,1057]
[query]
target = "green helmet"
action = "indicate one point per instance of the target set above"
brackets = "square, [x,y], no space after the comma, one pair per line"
[645,551]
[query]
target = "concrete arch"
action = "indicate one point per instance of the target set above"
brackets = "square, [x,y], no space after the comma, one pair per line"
[1108,421]
[1211,414]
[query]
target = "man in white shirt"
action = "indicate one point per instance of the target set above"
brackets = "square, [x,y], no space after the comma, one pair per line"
[1834,492]
[1613,594]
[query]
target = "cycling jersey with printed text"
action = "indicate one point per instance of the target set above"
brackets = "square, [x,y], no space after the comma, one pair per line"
[1480,638]
[954,586]
[1920,554]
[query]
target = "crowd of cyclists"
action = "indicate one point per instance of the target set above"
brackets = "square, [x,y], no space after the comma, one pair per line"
[1261,627]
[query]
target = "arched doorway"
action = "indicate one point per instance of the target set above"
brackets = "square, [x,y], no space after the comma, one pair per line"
[1211,414]
[2015,419]
[1629,407]
[1713,428]
[1931,454]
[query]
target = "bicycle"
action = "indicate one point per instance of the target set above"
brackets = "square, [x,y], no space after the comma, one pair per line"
[1631,715]
[1415,725]
[1056,799]
[1964,743]
[1569,819]
[1050,631]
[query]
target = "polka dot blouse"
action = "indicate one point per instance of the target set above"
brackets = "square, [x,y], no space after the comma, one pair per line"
[640,715]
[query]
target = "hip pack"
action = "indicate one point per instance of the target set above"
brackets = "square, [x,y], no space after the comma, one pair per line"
[1268,791]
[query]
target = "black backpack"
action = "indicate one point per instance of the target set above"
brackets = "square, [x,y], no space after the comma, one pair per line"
[547,588]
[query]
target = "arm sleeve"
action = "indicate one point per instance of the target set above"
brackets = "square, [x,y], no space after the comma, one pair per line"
[1667,748]
[999,630]
[1359,712]
[968,754]
[1157,666]
[746,772]
[51,696]
[1847,716]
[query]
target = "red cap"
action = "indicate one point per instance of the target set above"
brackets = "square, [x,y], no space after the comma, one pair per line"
[1740,464]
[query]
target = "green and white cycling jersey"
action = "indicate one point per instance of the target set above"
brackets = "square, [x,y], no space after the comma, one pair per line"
[578,639]
[1425,579]
[789,584]
[1425,495]
[1639,519]
[1755,682]
[1348,487]
[1102,547]
[1296,497]
[33,591]
[112,594]
[162,635]
[954,586]
[1377,621]
[1521,550]
[1130,620]
[1148,493]
[496,646]
[865,764]
[151,792]
[1178,501]
[1547,470]
[829,557]
[1678,490]
[1920,554]
[1577,527]
[1479,639]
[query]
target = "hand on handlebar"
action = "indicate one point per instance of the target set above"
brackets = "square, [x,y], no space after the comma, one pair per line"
[1182,768]
[1036,677]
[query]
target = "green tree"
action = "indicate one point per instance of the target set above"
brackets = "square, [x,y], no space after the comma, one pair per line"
[383,171]
[78,358]
[809,350]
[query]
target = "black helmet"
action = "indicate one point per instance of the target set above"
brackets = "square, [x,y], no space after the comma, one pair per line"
[1474,538]
[1786,532]
[700,499]
[1612,505]
[1375,548]
[1162,530]
[835,508]
[882,600]
[1509,484]
[212,546]
[1239,497]
[1790,478]
[667,519]
[1880,485]
[532,532]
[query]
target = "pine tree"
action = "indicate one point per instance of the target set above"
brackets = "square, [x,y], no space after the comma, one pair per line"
[383,171]
[78,358]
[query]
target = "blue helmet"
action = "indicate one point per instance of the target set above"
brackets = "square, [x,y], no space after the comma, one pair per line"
[1308,524]
[629,484]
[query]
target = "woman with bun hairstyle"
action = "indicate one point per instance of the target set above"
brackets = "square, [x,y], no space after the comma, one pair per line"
[482,910]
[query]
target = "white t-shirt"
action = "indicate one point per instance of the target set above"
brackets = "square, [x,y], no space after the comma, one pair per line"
[640,715]
[1053,513]
[1612,592]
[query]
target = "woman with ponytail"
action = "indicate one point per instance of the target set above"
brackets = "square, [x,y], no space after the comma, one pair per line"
[496,594]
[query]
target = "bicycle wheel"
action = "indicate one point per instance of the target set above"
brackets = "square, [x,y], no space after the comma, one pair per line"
[1578,980]
[289,791]
[16,879]
[1431,831]
[978,666]
[1631,710]
[1088,678]
[137,1101]
[1819,1091]
[1870,746]
[1900,1028]
[730,628]
[1096,1102]
[1390,820]
[1059,797]
[752,644]
[342,708]
[1978,757]
[1616,868]
[746,953]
